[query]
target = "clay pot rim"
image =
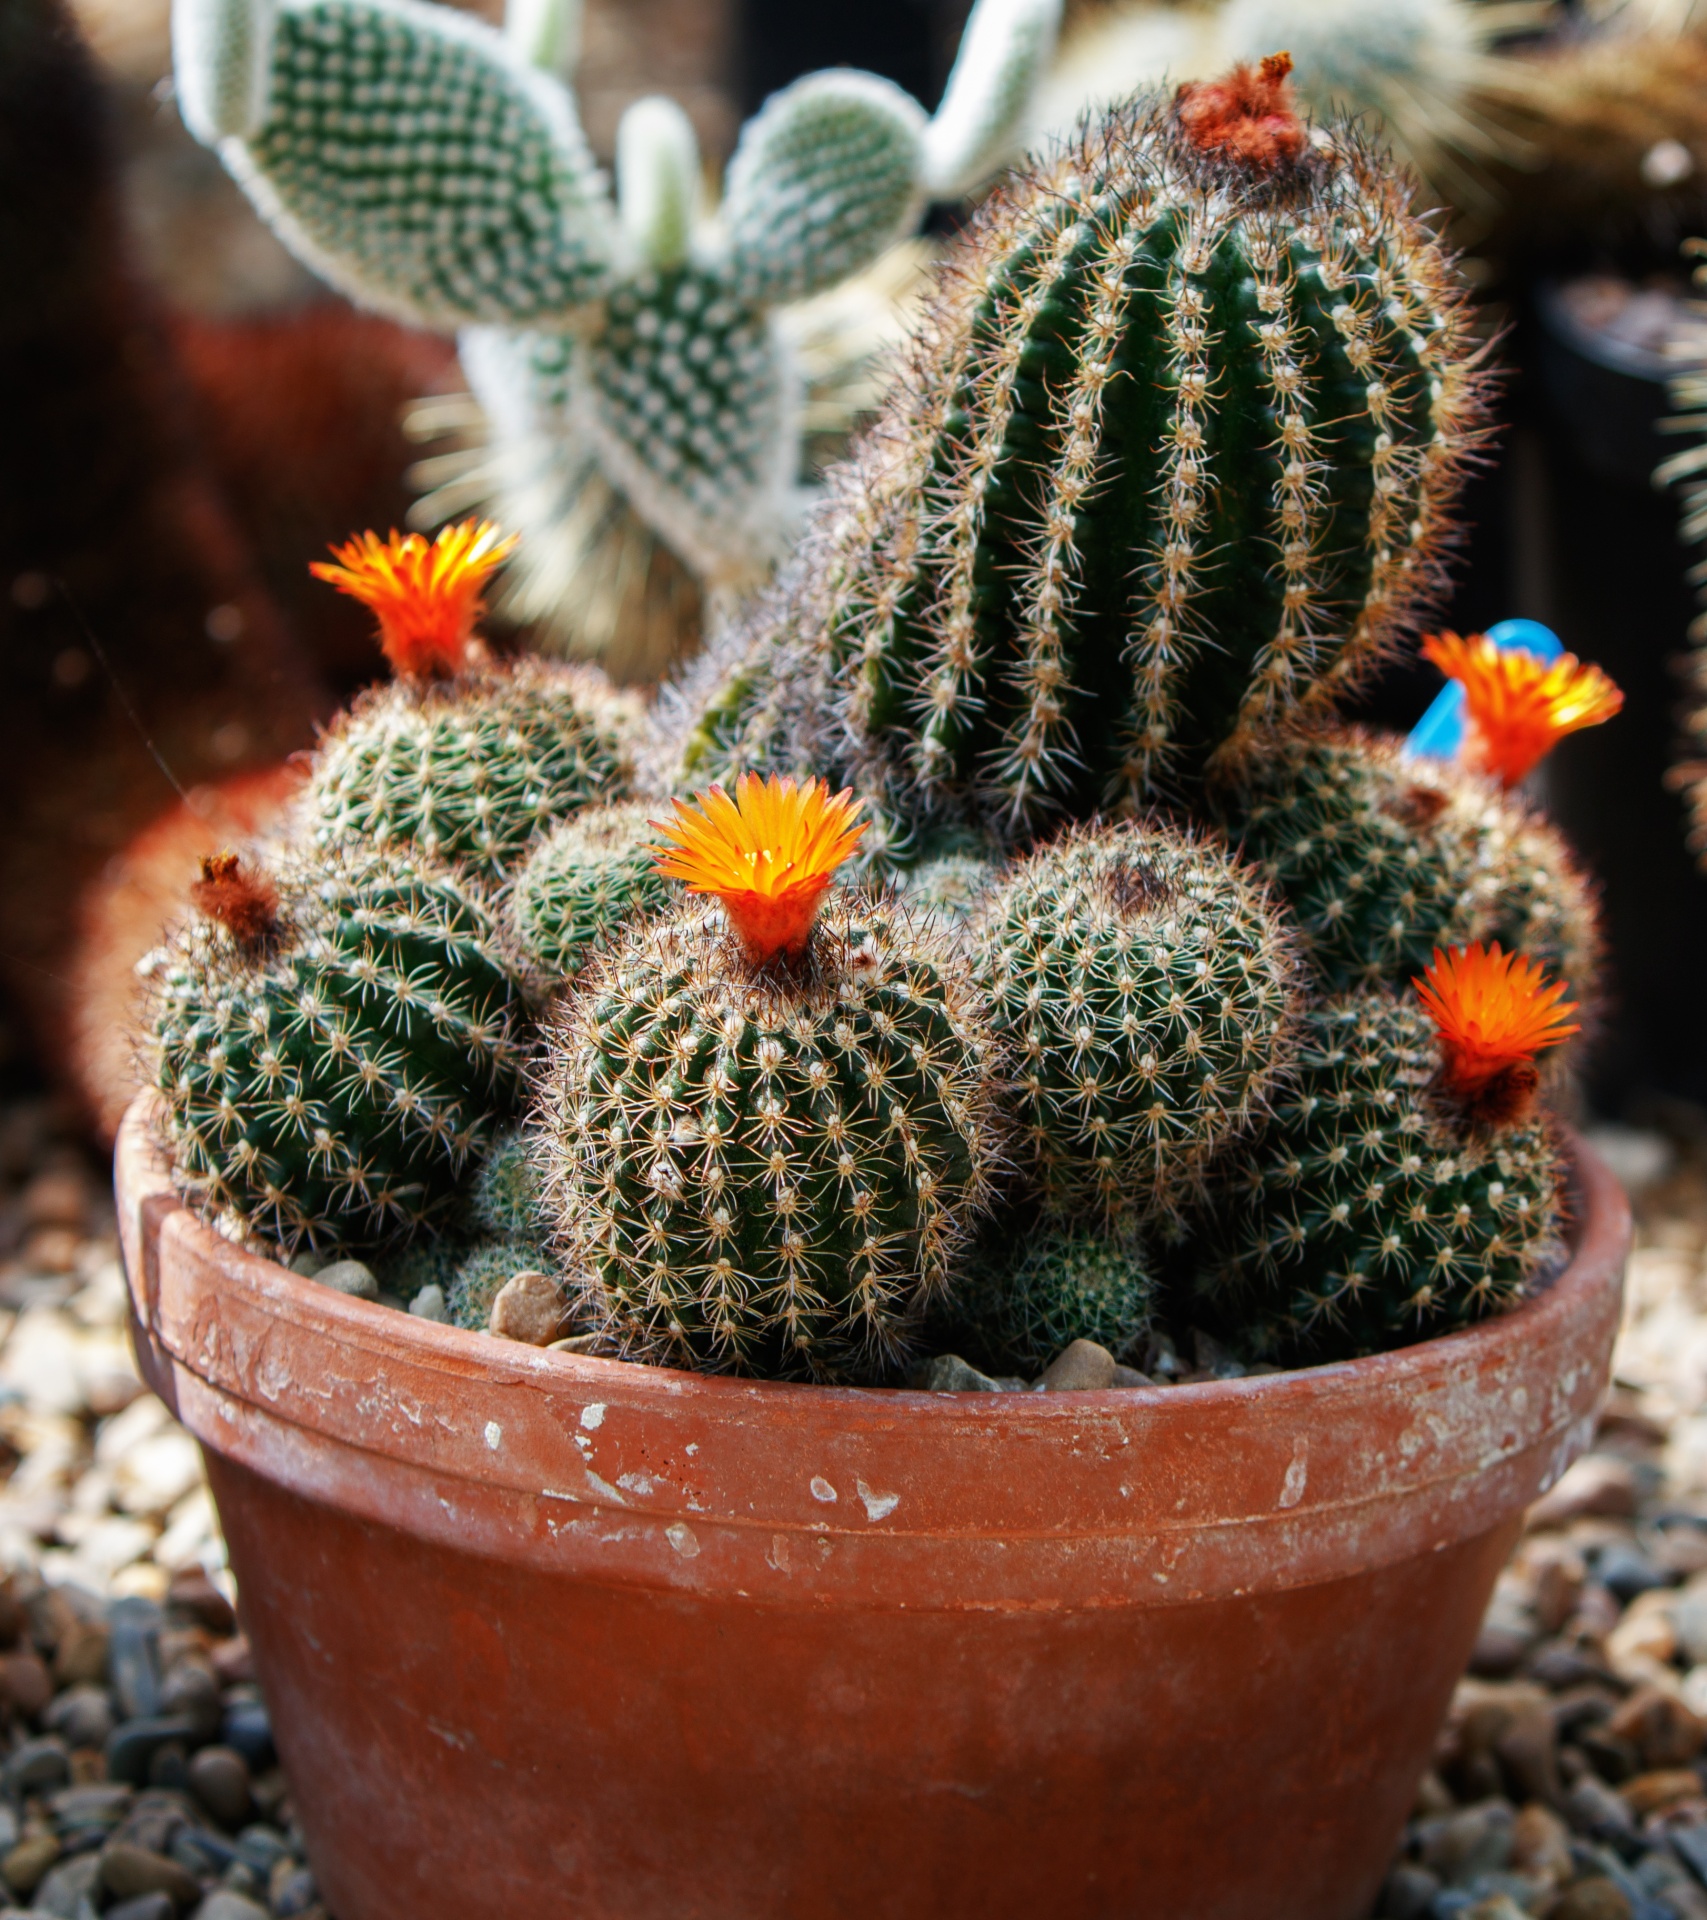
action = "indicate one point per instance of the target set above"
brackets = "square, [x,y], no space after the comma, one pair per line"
[656,1476]
[1597,1235]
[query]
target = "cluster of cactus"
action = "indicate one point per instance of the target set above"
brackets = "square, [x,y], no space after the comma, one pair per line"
[1174,459]
[621,348]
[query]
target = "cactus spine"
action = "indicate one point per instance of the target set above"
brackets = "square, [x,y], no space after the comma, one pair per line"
[583,885]
[1382,858]
[1068,1284]
[333,1044]
[1143,985]
[468,770]
[767,1136]
[1171,462]
[620,350]
[1373,1211]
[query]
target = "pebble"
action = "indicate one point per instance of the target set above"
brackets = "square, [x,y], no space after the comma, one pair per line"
[1593,1899]
[67,1885]
[36,1765]
[131,1750]
[191,1692]
[227,1905]
[1409,1893]
[1593,1485]
[26,1864]
[948,1373]
[1624,1572]
[249,1729]
[219,1778]
[146,1906]
[26,1686]
[351,1277]
[128,1870]
[1079,1368]
[82,1716]
[529,1308]
[429,1303]
[133,1658]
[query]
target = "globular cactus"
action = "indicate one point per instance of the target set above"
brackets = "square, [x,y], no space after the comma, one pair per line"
[1064,1284]
[950,885]
[768,1135]
[462,757]
[1172,461]
[1406,1185]
[507,1199]
[430,165]
[1383,857]
[334,1040]
[583,885]
[1143,985]
[482,1272]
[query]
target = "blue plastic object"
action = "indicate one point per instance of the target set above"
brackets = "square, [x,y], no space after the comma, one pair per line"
[1439,734]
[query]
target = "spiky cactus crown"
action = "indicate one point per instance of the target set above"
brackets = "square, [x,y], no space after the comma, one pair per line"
[469,769]
[420,160]
[333,1036]
[1144,987]
[1172,461]
[584,883]
[1383,857]
[1019,1310]
[1374,1210]
[766,1170]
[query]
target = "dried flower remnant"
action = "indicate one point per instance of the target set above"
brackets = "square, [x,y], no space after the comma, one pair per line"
[425,594]
[241,898]
[1495,1012]
[768,855]
[1518,704]
[1247,115]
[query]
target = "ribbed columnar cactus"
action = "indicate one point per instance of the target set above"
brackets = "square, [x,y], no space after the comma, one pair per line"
[1383,857]
[429,165]
[768,1133]
[462,756]
[1065,1284]
[583,885]
[1407,1184]
[334,1039]
[1143,985]
[1172,460]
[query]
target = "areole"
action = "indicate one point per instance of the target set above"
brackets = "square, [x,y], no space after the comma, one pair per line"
[574,1635]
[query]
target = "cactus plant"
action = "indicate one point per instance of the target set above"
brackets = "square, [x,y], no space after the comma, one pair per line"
[1382,858]
[1064,1284]
[482,1272]
[428,165]
[1172,462]
[582,885]
[1406,1185]
[334,1038]
[461,756]
[1143,984]
[769,1128]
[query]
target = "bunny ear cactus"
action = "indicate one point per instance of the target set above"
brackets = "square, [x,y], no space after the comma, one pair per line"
[769,1124]
[461,757]
[1407,1184]
[1171,463]
[621,349]
[333,1040]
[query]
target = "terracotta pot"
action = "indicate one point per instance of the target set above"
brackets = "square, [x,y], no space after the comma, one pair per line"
[544,1634]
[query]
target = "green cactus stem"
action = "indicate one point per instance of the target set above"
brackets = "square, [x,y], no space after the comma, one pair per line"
[1369,1213]
[334,1040]
[1171,461]
[585,882]
[1143,985]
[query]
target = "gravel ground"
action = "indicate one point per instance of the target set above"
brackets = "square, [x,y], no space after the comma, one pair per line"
[138,1780]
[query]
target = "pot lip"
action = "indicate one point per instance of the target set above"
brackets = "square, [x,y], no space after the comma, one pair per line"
[1598,1238]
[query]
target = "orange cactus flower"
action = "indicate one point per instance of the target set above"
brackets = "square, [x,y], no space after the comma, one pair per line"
[425,594]
[1495,1012]
[1518,704]
[768,855]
